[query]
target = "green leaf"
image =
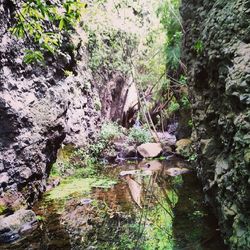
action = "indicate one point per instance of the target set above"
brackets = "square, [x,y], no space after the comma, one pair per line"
[61,24]
[33,57]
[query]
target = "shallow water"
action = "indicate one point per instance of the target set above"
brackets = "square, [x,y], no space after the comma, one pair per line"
[147,209]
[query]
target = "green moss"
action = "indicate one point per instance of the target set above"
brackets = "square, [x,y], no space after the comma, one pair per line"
[71,186]
[2,209]
[40,218]
[78,186]
[104,183]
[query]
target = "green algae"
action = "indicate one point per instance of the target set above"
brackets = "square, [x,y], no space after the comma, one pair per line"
[77,186]
[71,186]
[3,208]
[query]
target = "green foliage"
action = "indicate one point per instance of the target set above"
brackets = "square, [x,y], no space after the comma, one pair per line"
[84,162]
[171,21]
[40,218]
[110,50]
[3,208]
[183,80]
[104,183]
[199,47]
[139,135]
[110,131]
[192,157]
[32,56]
[43,24]
[173,107]
[71,186]
[185,101]
[190,123]
[61,168]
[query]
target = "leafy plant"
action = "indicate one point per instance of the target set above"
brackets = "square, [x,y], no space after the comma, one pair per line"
[139,135]
[110,49]
[32,56]
[68,73]
[199,46]
[185,101]
[110,131]
[43,24]
[40,218]
[171,21]
[173,107]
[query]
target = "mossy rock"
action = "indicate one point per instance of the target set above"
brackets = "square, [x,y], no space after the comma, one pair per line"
[183,147]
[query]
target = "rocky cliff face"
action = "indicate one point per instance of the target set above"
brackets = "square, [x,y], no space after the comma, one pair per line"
[217,54]
[40,108]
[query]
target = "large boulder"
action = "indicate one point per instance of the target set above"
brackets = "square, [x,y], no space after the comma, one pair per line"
[150,150]
[14,226]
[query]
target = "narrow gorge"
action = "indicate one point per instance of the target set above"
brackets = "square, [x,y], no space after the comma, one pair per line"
[125,124]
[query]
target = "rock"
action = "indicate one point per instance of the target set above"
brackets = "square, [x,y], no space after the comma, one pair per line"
[136,172]
[150,150]
[129,152]
[13,226]
[8,237]
[176,171]
[183,146]
[4,178]
[25,173]
[166,138]
[27,228]
[40,108]
[124,149]
[109,154]
[86,201]
[154,165]
[219,83]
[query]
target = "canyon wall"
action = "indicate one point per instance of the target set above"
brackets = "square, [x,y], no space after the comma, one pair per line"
[41,108]
[216,50]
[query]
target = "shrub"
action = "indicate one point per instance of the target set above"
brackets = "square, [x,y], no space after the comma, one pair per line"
[110,131]
[139,135]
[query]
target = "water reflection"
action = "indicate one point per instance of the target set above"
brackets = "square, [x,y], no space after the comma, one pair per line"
[155,205]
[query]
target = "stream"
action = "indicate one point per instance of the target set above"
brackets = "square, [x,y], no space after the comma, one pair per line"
[155,204]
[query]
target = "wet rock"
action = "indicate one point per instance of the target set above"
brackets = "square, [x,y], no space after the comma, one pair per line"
[86,201]
[154,165]
[124,148]
[132,172]
[8,237]
[176,171]
[129,151]
[27,228]
[165,138]
[12,226]
[150,150]
[109,154]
